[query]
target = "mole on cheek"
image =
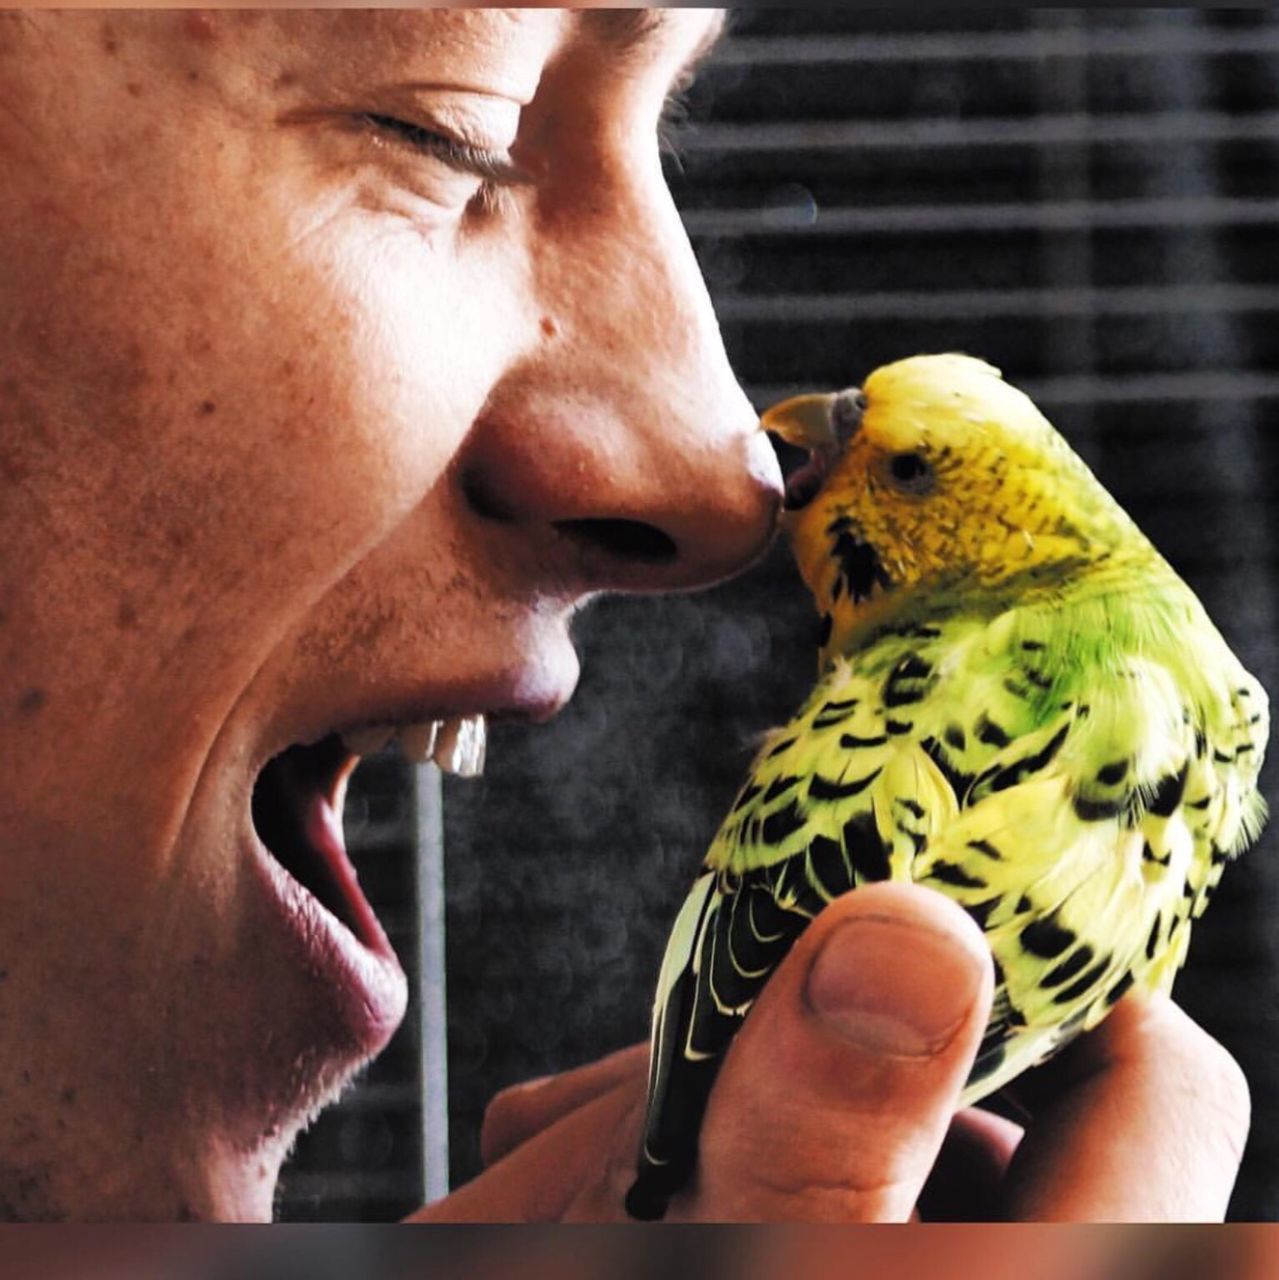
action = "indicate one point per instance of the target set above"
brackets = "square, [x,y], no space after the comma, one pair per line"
[549,328]
[32,701]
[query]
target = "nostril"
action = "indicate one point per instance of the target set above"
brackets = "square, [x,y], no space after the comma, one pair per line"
[630,540]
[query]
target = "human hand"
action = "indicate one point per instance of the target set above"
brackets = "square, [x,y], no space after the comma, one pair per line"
[836,1102]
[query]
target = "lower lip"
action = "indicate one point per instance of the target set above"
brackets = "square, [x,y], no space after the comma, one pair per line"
[362,977]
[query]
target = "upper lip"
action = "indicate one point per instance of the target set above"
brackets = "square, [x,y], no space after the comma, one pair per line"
[405,708]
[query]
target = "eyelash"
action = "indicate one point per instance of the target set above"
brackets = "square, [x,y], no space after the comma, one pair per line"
[495,168]
[672,124]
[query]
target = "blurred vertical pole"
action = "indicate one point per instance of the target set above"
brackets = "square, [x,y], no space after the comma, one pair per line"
[1065,177]
[428,811]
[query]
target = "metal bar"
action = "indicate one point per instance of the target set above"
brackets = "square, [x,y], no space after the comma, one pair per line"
[825,308]
[1224,385]
[1065,176]
[1142,128]
[1067,215]
[432,988]
[759,51]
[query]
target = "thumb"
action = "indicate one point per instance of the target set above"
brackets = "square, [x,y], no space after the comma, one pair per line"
[837,1093]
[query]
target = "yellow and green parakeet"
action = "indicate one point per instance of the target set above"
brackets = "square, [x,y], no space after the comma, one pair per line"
[1020,705]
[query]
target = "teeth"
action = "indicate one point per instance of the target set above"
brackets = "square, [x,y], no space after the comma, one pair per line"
[460,746]
[417,741]
[457,745]
[366,742]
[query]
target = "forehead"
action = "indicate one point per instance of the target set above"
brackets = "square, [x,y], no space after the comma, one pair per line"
[638,30]
[628,34]
[511,44]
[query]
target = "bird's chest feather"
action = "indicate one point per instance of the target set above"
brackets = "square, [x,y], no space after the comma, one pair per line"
[1076,813]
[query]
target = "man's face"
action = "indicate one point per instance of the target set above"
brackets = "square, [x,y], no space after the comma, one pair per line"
[344,354]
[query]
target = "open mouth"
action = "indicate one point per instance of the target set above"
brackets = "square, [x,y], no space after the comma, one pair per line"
[805,482]
[804,470]
[297,811]
[298,800]
[810,434]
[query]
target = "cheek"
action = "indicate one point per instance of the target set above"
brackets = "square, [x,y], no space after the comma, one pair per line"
[396,340]
[247,379]
[293,407]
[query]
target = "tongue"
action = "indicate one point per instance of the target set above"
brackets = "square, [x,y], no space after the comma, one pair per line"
[299,826]
[340,888]
[804,483]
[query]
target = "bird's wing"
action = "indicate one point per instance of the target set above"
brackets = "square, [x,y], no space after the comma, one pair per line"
[842,795]
[1067,903]
[1085,849]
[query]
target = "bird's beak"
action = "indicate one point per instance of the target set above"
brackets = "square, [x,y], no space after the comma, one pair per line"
[817,422]
[807,422]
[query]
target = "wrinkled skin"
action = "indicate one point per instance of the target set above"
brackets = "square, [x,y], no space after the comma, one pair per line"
[304,426]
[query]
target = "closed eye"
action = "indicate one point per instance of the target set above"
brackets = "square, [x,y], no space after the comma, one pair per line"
[493,167]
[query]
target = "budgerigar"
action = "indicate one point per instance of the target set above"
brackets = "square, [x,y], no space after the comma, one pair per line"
[1020,704]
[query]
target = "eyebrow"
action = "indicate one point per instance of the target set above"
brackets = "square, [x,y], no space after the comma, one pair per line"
[629,32]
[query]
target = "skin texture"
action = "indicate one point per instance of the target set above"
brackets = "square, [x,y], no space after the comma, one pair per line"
[301,428]
[295,424]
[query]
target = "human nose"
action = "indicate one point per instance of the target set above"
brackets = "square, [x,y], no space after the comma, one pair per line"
[624,430]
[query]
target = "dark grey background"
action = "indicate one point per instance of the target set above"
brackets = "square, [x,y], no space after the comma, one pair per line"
[1088,199]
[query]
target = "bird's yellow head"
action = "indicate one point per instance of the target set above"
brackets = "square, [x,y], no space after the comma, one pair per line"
[935,472]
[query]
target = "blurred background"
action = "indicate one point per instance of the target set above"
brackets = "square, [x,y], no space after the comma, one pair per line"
[939,1252]
[1089,200]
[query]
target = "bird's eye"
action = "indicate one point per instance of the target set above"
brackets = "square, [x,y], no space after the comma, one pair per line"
[911,471]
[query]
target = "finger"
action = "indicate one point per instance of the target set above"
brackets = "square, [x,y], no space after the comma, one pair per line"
[967,1180]
[1151,1130]
[519,1112]
[575,1168]
[838,1090]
